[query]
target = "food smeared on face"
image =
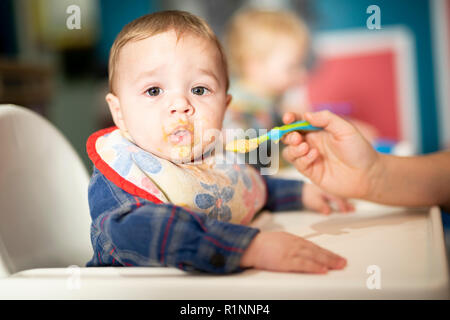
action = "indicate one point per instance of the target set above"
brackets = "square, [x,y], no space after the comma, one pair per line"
[183,151]
[179,133]
[179,136]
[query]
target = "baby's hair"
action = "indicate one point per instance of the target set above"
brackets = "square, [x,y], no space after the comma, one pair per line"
[250,31]
[155,23]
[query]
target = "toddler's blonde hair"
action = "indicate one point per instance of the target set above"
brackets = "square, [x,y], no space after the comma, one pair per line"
[250,34]
[152,24]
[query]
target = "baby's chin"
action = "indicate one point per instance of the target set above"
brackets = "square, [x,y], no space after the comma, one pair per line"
[183,153]
[186,150]
[190,154]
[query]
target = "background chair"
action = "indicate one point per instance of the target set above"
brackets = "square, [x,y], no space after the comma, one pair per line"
[44,213]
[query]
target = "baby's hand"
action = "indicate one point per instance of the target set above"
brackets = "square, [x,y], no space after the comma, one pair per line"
[285,252]
[315,199]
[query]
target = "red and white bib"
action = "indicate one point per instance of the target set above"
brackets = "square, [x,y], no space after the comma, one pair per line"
[225,191]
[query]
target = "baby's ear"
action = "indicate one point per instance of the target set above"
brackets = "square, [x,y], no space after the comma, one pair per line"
[116,112]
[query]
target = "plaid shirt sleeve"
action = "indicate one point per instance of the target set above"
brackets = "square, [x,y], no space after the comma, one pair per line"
[283,194]
[137,232]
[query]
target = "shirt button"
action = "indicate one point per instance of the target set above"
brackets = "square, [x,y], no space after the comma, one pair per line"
[217,260]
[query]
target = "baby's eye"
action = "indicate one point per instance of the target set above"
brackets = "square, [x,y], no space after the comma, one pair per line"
[200,91]
[153,91]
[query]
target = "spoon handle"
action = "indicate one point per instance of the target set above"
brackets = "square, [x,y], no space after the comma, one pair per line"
[277,132]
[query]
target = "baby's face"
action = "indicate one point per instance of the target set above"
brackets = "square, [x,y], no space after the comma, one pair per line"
[167,90]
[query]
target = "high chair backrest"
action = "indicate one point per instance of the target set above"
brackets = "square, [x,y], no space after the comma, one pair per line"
[44,213]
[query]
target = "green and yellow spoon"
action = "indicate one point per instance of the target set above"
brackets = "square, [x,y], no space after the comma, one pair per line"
[247,145]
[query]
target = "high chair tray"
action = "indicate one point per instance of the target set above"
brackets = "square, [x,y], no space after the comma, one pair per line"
[403,249]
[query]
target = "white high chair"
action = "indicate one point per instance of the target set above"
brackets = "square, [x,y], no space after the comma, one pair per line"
[44,229]
[44,213]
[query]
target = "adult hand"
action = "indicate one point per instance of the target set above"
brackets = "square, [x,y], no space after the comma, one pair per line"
[338,158]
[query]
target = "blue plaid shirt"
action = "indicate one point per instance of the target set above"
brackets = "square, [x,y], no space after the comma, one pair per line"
[131,231]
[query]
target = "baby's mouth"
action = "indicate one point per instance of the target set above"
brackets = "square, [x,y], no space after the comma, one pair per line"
[181,136]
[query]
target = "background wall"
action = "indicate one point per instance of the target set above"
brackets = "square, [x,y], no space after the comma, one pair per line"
[416,17]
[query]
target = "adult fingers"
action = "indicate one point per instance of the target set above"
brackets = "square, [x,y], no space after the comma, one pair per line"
[303,162]
[295,152]
[291,153]
[329,121]
[292,138]
[289,117]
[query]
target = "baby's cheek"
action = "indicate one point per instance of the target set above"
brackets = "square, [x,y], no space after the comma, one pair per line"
[202,126]
[151,142]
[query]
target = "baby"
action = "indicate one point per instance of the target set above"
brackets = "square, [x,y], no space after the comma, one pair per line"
[158,196]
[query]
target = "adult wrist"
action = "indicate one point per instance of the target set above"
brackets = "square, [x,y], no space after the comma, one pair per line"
[377,177]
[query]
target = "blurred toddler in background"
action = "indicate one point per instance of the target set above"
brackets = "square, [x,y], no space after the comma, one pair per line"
[266,52]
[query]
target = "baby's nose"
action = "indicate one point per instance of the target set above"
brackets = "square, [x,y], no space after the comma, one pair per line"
[184,108]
